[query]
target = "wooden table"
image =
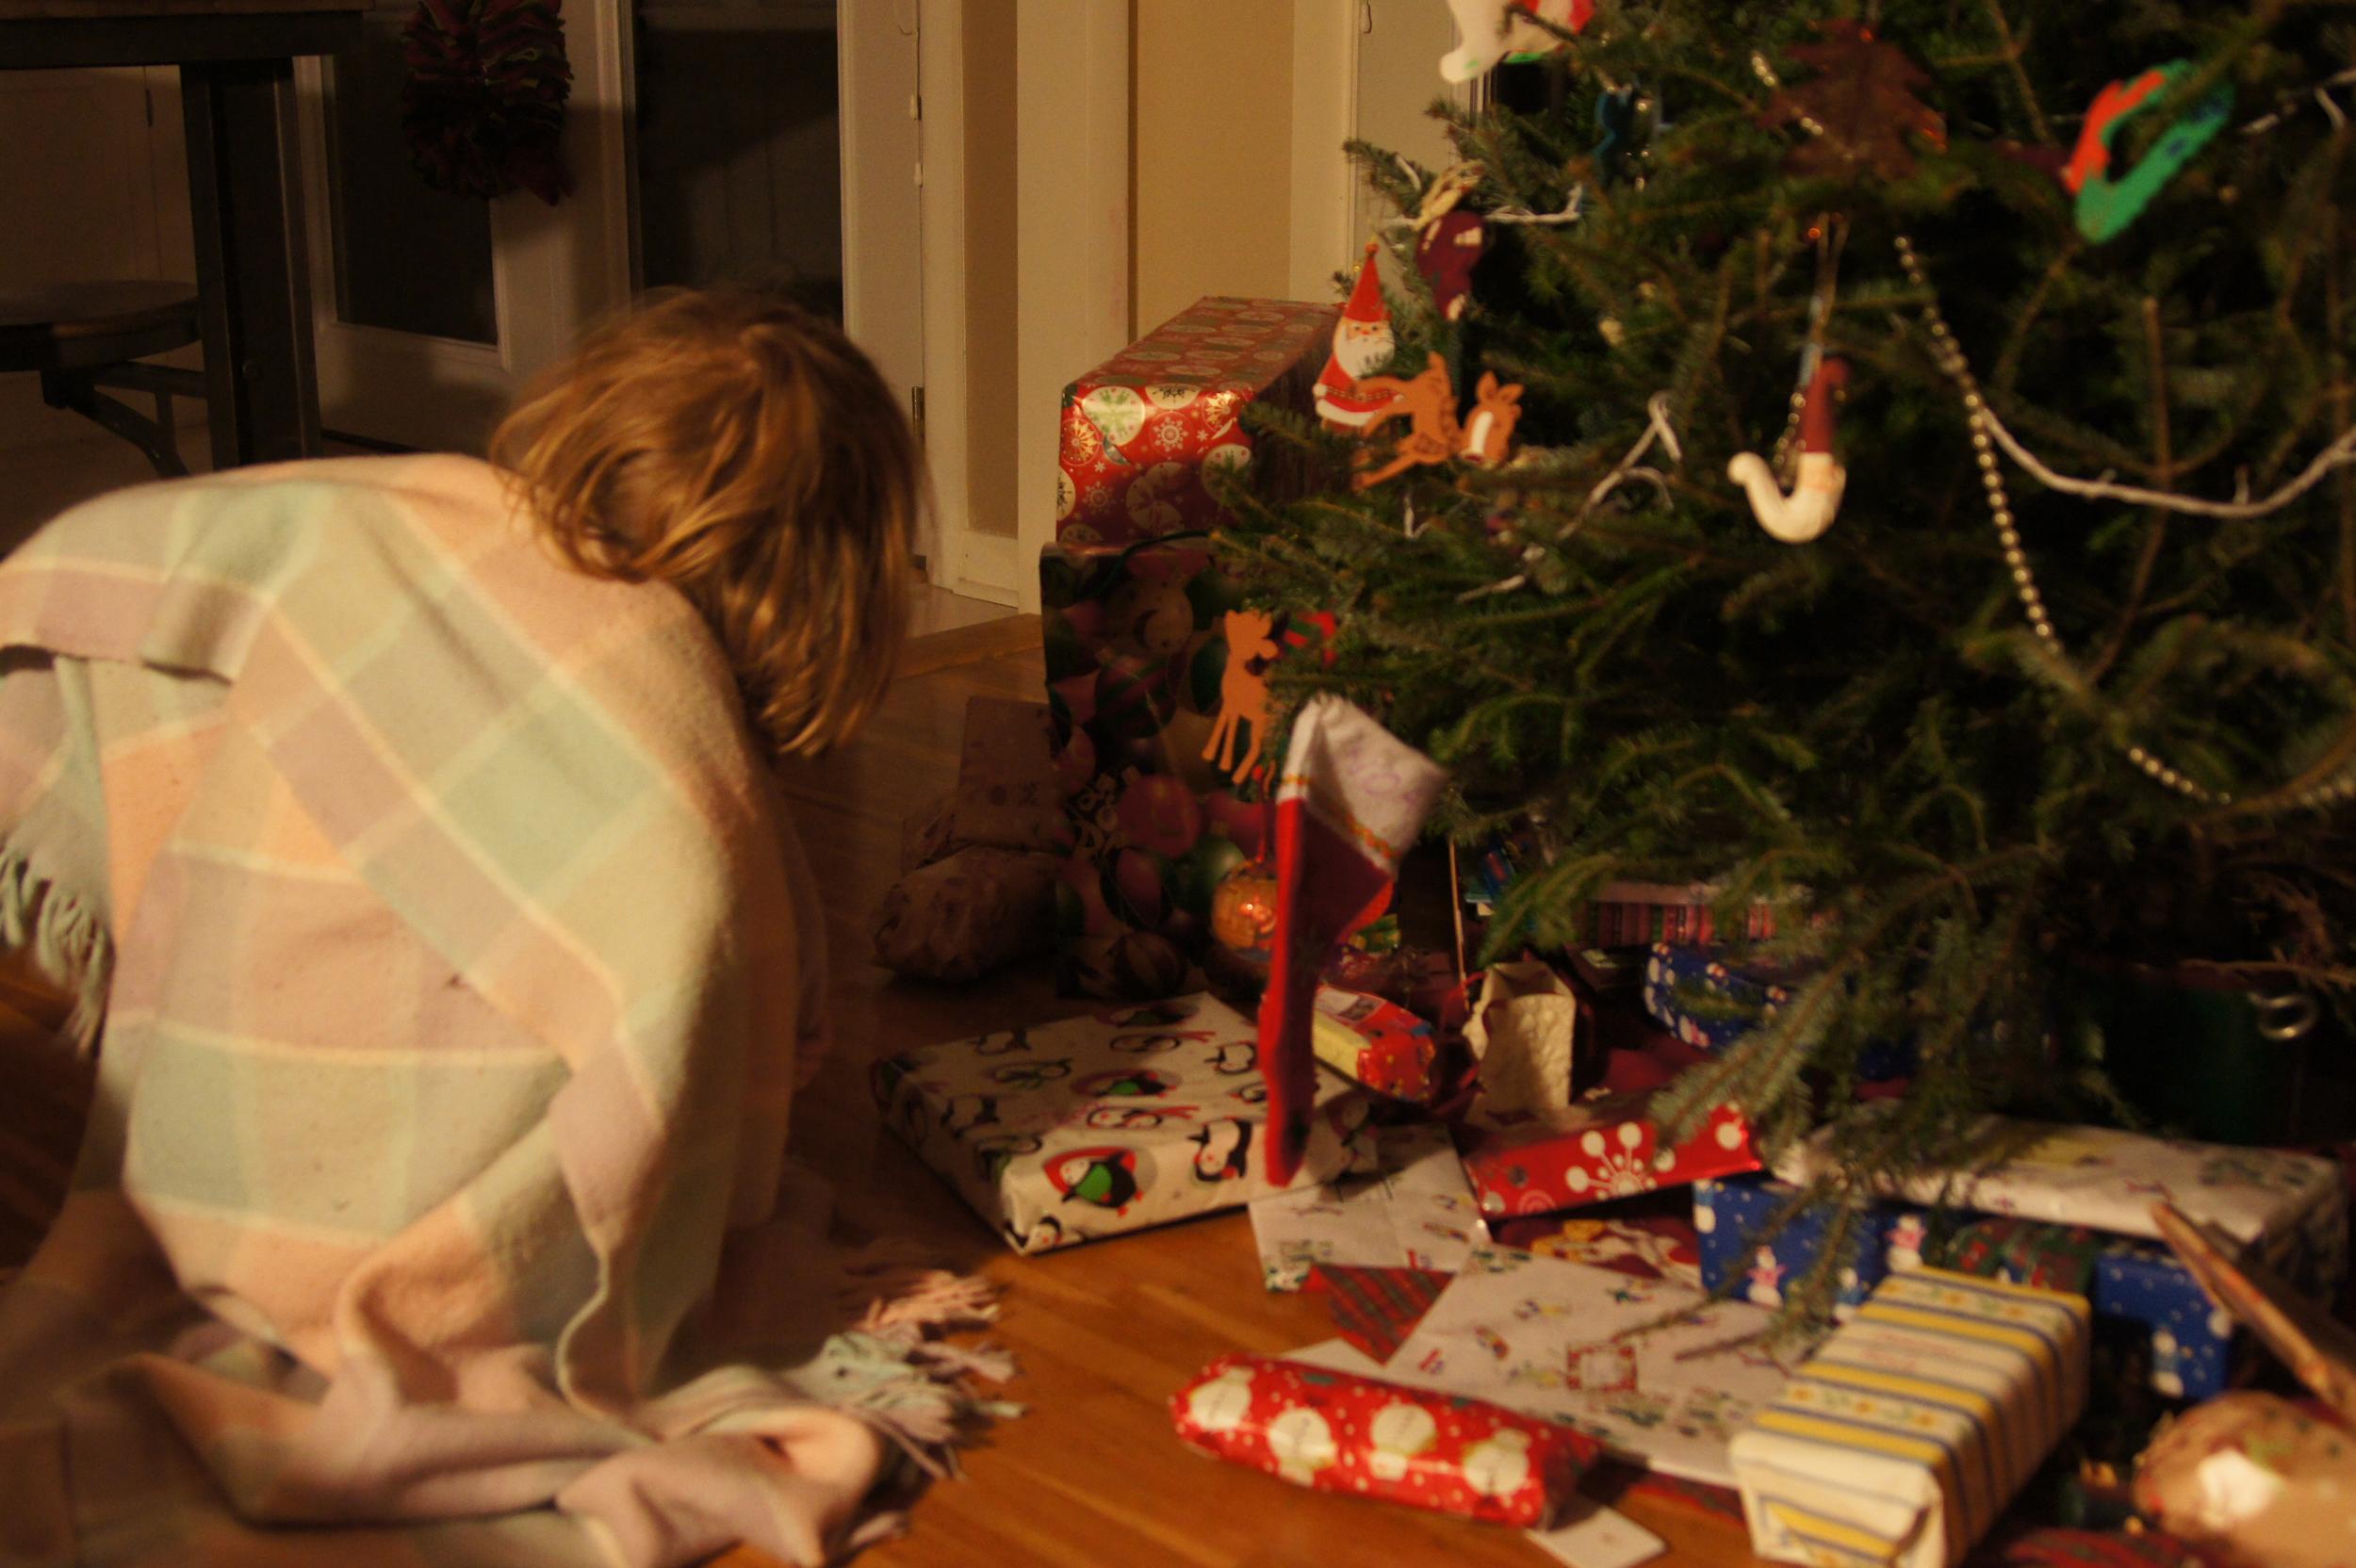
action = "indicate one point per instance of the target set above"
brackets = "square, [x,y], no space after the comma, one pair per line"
[1092,1477]
[245,189]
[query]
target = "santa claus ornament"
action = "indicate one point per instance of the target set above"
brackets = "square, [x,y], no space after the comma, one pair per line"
[1815,497]
[1497,30]
[1362,344]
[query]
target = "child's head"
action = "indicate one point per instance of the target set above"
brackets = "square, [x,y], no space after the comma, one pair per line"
[743,451]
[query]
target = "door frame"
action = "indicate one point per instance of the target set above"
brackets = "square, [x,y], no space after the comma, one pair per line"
[570,262]
[1326,233]
[1072,103]
[956,557]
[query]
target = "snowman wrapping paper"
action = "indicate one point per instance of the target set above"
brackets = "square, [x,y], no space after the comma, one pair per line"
[1143,431]
[1335,1432]
[1106,1123]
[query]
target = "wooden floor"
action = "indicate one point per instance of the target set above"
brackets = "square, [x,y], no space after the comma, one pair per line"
[1093,1478]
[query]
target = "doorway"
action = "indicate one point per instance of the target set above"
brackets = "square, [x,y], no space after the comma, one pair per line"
[772,141]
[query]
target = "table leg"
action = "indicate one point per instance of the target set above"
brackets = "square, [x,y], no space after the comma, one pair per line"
[245,192]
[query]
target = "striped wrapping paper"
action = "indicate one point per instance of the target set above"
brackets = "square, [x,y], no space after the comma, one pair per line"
[1905,1438]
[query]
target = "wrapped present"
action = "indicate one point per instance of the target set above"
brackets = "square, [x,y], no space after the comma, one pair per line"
[1138,667]
[1144,431]
[1008,796]
[1380,1044]
[1696,994]
[2193,1352]
[1414,1212]
[962,917]
[1659,1375]
[1905,1437]
[1732,1218]
[1663,913]
[2253,1482]
[1697,997]
[1090,1127]
[2288,1210]
[1335,1431]
[1649,1237]
[1533,1162]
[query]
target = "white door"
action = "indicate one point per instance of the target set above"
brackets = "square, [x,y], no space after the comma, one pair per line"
[430,309]
[1365,69]
[707,139]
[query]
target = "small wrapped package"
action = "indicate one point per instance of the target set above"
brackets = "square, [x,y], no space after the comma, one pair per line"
[1732,1218]
[1592,1152]
[2288,1211]
[1334,1431]
[1379,1044]
[2254,1482]
[1709,1003]
[1108,1123]
[2195,1353]
[1908,1434]
[1143,433]
[1696,996]
[962,917]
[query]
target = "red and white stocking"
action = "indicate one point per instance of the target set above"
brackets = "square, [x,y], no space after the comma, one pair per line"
[1350,801]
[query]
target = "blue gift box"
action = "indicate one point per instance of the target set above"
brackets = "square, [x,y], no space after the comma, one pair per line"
[1730,1213]
[2194,1349]
[1701,999]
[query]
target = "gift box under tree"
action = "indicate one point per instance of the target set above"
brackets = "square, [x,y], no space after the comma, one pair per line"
[1533,1162]
[1138,654]
[1145,434]
[1111,1122]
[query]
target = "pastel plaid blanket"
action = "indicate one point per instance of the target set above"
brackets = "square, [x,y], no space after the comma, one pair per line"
[450,943]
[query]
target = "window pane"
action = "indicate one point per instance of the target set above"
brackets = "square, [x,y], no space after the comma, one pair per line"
[408,257]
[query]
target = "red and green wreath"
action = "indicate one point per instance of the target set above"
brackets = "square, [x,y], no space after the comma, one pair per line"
[484,102]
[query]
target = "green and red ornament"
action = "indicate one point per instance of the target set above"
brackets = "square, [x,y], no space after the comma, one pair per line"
[483,108]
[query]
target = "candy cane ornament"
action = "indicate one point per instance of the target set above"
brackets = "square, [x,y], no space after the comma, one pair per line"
[1815,498]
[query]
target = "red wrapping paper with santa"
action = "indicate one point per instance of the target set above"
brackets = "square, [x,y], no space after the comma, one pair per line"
[1332,1431]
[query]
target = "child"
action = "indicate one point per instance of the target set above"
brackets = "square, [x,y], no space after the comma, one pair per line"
[408,822]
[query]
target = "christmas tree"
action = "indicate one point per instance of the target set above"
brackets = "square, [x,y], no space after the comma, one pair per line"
[2024,637]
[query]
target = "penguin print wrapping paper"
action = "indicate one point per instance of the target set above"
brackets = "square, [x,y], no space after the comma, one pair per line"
[1107,1123]
[1337,1431]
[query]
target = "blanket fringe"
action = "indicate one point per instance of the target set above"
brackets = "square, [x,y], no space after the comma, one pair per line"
[904,1303]
[894,1283]
[63,937]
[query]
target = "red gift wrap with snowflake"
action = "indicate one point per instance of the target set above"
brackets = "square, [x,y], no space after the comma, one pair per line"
[1332,1431]
[1144,434]
[1535,1162]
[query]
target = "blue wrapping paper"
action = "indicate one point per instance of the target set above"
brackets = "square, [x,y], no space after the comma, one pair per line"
[1730,1215]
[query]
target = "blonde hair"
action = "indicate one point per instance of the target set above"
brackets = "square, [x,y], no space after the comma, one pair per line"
[745,452]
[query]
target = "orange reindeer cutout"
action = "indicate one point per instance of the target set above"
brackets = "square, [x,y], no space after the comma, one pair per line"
[1430,403]
[1496,409]
[1243,691]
